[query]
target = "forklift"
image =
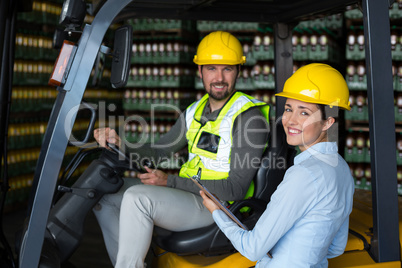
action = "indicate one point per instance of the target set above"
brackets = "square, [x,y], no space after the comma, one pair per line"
[52,233]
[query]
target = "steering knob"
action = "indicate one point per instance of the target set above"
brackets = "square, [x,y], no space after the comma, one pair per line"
[116,150]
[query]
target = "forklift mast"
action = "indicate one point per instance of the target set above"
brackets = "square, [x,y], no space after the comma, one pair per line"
[283,15]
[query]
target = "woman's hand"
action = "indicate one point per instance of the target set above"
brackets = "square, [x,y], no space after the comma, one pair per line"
[104,135]
[208,203]
[153,177]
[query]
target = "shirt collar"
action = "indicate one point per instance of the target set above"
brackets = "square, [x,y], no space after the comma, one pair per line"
[324,151]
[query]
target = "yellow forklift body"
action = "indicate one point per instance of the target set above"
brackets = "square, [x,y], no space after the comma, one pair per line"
[171,260]
[360,259]
[355,255]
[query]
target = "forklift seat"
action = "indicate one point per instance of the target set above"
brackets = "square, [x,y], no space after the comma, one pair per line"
[209,240]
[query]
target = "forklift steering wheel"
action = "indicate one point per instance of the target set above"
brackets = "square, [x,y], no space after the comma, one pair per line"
[132,165]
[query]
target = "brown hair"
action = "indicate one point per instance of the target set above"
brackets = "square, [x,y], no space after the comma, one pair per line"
[327,111]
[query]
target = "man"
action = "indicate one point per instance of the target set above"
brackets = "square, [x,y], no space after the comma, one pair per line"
[226,133]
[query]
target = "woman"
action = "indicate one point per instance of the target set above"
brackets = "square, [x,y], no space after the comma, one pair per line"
[306,221]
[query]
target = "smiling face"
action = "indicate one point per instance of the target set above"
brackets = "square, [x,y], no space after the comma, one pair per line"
[303,124]
[219,82]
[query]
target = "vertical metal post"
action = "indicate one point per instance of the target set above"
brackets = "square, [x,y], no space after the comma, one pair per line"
[283,60]
[283,70]
[385,243]
[59,130]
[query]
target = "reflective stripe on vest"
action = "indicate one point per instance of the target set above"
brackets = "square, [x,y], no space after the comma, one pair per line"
[215,165]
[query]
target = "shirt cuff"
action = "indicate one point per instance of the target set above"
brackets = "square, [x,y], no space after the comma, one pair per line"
[221,219]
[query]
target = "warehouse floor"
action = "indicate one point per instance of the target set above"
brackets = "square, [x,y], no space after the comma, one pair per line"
[90,254]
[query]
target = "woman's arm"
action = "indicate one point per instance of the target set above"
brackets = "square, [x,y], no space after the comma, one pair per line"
[288,204]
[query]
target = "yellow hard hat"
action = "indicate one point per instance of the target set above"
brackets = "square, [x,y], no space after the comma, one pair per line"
[317,83]
[219,48]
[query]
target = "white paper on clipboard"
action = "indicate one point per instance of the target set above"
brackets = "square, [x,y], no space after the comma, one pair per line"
[219,204]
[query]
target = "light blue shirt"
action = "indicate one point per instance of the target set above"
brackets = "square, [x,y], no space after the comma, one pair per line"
[307,220]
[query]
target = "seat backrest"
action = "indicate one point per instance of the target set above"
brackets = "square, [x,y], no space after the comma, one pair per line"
[276,159]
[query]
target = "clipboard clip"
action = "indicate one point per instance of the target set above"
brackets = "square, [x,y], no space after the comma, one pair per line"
[197,177]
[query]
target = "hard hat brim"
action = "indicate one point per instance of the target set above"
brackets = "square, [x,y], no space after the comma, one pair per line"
[308,99]
[198,61]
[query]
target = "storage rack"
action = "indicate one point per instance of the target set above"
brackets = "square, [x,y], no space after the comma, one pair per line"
[158,47]
[161,81]
[314,40]
[357,147]
[32,98]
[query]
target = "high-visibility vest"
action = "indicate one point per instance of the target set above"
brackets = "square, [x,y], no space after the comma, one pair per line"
[209,145]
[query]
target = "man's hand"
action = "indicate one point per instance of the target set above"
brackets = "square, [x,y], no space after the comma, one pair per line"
[208,203]
[153,177]
[103,135]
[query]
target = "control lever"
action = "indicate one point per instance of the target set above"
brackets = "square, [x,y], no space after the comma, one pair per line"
[87,193]
[117,151]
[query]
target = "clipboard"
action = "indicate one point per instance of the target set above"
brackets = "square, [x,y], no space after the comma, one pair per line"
[197,181]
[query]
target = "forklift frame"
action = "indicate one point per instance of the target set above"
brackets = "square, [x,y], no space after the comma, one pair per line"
[282,14]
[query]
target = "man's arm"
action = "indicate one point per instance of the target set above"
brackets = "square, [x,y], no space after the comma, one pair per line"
[250,135]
